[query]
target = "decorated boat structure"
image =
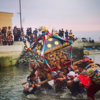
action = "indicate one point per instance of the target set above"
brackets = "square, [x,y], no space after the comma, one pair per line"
[49,47]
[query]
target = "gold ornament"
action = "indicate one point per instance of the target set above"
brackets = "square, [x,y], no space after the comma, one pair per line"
[50,39]
[56,42]
[38,51]
[49,45]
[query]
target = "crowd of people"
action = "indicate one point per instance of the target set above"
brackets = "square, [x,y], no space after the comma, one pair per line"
[86,69]
[7,35]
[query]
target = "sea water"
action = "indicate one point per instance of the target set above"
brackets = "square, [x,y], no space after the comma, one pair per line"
[95,58]
[11,88]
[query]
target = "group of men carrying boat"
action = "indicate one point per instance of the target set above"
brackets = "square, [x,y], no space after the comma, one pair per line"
[85,74]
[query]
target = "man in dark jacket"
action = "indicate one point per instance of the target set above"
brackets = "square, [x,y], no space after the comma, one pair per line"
[15,33]
[18,34]
[66,34]
[4,31]
[35,32]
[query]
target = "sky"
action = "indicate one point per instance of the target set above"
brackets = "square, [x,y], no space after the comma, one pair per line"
[80,16]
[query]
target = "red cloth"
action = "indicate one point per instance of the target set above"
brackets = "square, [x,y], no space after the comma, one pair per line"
[86,81]
[92,90]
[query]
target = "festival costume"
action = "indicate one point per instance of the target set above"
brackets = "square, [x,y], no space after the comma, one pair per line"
[93,72]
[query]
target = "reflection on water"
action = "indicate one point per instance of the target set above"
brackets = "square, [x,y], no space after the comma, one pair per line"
[95,58]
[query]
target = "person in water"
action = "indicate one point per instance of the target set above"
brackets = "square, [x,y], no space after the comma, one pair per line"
[93,72]
[33,67]
[32,84]
[60,81]
[73,85]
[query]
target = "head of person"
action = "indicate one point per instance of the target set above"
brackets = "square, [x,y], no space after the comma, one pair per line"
[32,77]
[18,29]
[66,30]
[71,74]
[60,73]
[80,67]
[85,61]
[31,34]
[5,28]
[35,28]
[15,27]
[70,31]
[9,27]
[75,67]
[59,30]
[21,27]
[32,64]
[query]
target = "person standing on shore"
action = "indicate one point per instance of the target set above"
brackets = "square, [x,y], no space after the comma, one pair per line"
[66,34]
[35,32]
[62,32]
[15,33]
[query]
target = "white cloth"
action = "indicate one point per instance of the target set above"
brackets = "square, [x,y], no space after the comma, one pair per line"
[39,33]
[75,79]
[71,73]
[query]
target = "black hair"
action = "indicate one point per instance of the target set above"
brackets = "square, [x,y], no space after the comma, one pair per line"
[80,65]
[32,75]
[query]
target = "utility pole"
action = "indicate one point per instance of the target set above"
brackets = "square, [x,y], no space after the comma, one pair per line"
[20,13]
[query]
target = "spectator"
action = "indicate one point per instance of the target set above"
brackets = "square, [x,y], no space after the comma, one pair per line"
[62,32]
[22,31]
[70,34]
[18,34]
[89,40]
[22,34]
[52,31]
[5,40]
[4,31]
[9,31]
[92,41]
[27,31]
[21,37]
[0,31]
[66,34]
[0,39]
[15,33]
[9,39]
[35,32]
[31,39]
[30,30]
